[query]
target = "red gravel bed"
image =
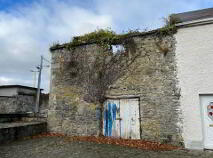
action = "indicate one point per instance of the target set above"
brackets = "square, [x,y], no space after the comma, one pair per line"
[140,144]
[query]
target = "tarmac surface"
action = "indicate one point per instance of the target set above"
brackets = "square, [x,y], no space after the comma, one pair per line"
[59,147]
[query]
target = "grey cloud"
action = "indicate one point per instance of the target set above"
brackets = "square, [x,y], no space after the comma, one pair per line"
[27,32]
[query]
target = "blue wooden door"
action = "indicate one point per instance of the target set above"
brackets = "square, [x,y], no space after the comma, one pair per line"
[121,118]
[111,118]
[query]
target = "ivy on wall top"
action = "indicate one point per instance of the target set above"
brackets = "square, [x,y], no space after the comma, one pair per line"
[107,37]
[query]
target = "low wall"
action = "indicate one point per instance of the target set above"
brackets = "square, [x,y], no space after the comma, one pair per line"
[19,130]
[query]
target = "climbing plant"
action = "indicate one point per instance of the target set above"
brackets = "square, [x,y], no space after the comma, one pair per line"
[95,73]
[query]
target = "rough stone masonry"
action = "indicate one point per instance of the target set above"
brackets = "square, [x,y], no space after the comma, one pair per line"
[151,76]
[16,104]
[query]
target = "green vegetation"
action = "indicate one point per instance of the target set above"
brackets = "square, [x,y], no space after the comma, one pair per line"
[103,37]
[166,30]
[96,36]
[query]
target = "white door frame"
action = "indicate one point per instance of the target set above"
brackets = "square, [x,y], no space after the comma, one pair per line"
[202,118]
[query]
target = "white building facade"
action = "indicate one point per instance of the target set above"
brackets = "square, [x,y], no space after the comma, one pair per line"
[194,57]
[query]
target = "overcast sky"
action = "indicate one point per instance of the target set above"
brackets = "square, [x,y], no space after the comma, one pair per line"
[29,27]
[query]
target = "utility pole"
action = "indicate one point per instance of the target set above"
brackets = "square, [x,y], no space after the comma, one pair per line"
[39,84]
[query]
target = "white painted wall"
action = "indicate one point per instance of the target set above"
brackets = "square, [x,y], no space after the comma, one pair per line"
[8,92]
[194,50]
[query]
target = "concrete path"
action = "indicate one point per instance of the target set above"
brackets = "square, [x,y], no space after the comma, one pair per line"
[56,147]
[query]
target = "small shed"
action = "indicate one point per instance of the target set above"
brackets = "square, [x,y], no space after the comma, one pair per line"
[17,99]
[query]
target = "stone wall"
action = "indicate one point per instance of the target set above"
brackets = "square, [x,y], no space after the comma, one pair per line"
[17,104]
[151,76]
[68,112]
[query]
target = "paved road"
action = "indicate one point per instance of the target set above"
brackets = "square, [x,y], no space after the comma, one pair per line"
[55,147]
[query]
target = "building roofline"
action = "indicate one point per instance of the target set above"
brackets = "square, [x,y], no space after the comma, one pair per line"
[194,18]
[195,23]
[18,86]
[195,11]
